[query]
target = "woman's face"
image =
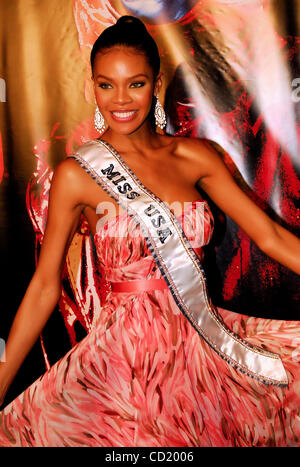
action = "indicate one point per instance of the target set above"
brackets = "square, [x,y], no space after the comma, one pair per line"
[124,87]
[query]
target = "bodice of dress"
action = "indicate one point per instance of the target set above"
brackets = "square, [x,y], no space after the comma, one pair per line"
[122,249]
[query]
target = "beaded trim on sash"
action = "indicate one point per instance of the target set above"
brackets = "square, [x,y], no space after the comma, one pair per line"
[177,261]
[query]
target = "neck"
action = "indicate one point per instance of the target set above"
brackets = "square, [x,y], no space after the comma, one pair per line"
[144,137]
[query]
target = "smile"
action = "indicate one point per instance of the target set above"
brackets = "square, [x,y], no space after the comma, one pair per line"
[124,116]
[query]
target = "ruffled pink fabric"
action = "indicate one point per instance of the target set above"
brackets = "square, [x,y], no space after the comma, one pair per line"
[144,377]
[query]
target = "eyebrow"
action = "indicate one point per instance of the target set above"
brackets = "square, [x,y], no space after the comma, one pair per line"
[129,79]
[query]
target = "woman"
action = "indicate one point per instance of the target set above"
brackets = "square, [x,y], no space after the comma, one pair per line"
[159,368]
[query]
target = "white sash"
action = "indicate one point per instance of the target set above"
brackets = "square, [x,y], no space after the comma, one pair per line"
[177,261]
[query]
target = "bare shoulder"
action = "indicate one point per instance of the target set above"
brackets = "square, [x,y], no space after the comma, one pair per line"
[196,149]
[68,169]
[75,186]
[68,174]
[69,181]
[202,155]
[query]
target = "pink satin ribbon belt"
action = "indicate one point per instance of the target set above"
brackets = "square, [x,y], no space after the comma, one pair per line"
[138,286]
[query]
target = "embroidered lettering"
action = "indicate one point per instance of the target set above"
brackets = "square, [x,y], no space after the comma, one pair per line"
[157,222]
[132,195]
[109,172]
[116,182]
[164,234]
[148,209]
[123,189]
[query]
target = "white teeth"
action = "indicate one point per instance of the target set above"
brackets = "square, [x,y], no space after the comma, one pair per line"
[123,114]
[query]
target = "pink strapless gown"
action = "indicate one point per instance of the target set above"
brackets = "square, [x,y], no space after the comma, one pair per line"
[144,377]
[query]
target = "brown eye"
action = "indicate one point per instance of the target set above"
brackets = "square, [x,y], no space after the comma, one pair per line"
[137,84]
[104,85]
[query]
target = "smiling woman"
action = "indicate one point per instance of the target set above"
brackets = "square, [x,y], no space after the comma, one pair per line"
[160,366]
[124,94]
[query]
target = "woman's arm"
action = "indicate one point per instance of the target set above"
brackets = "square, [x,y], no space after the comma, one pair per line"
[217,182]
[44,289]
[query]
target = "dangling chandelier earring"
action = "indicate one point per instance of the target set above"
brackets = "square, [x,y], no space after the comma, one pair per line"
[99,121]
[159,114]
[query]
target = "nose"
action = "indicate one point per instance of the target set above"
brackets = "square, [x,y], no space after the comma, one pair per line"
[121,95]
